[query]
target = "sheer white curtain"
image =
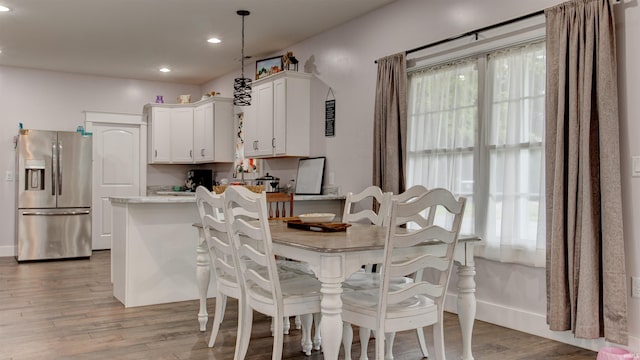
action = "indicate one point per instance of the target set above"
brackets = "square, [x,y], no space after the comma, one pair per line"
[514,230]
[442,125]
[476,128]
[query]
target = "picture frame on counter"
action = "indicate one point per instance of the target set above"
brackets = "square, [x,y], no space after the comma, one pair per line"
[268,66]
[310,176]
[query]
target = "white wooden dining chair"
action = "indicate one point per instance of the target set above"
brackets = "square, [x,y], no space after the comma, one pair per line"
[357,207]
[267,291]
[392,307]
[371,280]
[222,265]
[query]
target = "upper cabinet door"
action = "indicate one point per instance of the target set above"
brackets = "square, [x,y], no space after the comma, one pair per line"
[280,116]
[258,125]
[160,149]
[182,135]
[203,133]
[224,134]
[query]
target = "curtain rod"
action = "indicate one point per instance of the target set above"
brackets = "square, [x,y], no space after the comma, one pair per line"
[475,32]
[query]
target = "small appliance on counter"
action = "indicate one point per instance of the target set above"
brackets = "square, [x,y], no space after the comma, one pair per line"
[270,182]
[197,177]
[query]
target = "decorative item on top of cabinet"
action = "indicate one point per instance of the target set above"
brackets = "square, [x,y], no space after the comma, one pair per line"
[277,124]
[269,66]
[289,62]
[200,132]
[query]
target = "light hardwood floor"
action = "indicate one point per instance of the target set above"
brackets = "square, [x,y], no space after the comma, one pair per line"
[65,310]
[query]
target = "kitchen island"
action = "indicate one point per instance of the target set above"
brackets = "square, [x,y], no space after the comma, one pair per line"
[153,254]
[156,252]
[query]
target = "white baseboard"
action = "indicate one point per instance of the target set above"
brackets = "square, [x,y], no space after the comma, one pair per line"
[532,323]
[7,250]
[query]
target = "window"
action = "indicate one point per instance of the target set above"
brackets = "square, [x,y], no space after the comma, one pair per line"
[476,127]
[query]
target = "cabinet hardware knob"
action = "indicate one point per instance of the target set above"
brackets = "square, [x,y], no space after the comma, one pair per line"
[156,153]
[191,154]
[201,152]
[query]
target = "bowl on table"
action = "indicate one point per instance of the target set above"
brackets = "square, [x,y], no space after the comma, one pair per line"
[316,217]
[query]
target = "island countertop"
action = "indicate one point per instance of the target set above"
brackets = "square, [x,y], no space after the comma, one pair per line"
[173,199]
[153,199]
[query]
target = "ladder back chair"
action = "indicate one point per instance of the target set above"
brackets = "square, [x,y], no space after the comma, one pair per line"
[222,264]
[221,259]
[371,280]
[354,202]
[393,307]
[266,290]
[279,205]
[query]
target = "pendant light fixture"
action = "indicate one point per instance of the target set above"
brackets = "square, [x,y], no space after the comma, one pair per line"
[242,85]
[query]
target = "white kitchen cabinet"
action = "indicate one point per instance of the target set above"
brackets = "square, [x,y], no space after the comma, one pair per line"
[213,132]
[182,135]
[171,135]
[195,133]
[160,141]
[277,123]
[203,133]
[258,122]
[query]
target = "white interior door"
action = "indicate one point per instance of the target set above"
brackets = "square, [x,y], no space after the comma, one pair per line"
[117,169]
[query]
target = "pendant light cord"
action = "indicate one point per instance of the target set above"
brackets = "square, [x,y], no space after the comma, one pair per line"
[242,52]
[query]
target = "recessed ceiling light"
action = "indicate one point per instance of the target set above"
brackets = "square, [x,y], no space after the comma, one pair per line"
[164,69]
[214,40]
[4,9]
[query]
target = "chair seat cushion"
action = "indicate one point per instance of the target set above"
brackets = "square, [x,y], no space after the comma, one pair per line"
[295,288]
[363,280]
[295,267]
[366,302]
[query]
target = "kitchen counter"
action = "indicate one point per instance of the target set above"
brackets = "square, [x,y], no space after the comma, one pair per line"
[157,199]
[155,247]
[153,253]
[190,197]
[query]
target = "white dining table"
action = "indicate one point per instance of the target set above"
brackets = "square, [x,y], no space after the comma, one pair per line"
[333,256]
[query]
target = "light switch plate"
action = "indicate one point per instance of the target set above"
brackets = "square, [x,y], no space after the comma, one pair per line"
[9,175]
[635,168]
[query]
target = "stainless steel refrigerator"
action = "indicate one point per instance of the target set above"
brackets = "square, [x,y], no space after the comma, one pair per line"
[53,216]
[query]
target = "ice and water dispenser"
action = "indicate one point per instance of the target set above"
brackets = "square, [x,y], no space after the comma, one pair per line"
[34,175]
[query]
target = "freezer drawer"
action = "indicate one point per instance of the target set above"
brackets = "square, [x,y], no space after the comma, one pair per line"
[53,233]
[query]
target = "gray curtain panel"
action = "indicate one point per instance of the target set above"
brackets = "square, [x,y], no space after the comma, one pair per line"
[390,124]
[586,281]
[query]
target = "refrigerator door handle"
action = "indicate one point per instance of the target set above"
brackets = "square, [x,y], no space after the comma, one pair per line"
[59,168]
[64,213]
[54,168]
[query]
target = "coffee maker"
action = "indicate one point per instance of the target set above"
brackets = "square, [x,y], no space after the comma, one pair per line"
[197,177]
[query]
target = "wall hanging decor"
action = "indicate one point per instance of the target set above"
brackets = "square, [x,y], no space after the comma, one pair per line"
[330,114]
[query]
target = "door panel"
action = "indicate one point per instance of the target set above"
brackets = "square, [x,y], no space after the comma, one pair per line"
[35,159]
[74,187]
[116,173]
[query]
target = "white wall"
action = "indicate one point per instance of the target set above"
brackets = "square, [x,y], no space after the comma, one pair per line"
[342,59]
[56,101]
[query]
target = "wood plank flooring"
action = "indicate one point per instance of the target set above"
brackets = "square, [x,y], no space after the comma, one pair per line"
[65,310]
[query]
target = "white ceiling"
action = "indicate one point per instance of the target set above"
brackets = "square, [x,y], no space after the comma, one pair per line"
[134,38]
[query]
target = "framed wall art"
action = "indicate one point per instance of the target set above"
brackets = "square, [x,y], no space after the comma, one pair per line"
[269,66]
